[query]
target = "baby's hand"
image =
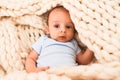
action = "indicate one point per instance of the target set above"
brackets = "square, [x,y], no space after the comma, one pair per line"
[42,69]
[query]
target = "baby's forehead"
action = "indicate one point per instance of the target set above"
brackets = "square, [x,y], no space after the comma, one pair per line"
[56,9]
[59,8]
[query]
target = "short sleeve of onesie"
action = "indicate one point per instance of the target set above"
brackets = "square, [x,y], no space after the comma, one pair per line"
[37,46]
[76,47]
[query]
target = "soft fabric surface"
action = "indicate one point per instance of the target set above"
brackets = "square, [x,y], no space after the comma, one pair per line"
[96,21]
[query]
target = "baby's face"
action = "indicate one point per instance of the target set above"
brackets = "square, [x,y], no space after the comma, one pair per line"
[60,26]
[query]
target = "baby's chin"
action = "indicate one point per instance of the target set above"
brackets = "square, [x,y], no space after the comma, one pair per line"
[62,40]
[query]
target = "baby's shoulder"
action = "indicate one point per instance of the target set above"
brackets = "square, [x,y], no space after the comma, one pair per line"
[74,41]
[43,37]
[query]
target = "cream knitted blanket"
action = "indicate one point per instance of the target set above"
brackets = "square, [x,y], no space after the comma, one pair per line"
[96,21]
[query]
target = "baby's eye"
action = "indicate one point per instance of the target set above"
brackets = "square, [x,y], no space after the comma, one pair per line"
[56,26]
[68,27]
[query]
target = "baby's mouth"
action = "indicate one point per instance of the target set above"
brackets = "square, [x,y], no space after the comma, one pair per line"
[62,37]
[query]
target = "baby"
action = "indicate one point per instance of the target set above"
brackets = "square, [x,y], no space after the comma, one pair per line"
[59,48]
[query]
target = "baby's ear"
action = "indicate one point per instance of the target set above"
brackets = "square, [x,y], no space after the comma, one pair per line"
[47,30]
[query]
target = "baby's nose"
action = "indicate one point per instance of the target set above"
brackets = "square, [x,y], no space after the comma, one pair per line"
[63,30]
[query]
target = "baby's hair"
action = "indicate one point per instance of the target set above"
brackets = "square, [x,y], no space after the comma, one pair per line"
[52,10]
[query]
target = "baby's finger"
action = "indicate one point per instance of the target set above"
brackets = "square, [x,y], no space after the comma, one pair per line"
[44,68]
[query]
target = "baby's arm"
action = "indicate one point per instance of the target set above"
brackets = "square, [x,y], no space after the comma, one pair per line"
[30,64]
[86,57]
